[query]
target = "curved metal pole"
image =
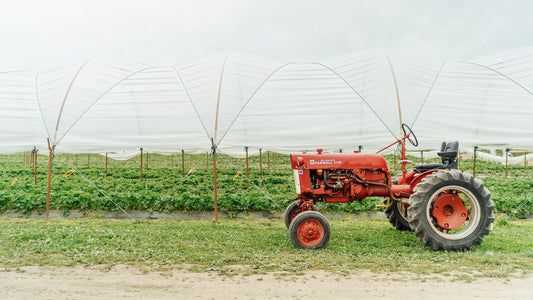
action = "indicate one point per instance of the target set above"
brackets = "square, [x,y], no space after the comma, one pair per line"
[427,95]
[218,96]
[98,99]
[395,86]
[250,99]
[360,96]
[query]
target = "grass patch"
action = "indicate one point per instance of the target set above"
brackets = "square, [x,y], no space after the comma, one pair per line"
[256,246]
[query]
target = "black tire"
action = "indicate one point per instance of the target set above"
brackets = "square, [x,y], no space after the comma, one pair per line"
[443,223]
[288,215]
[309,230]
[291,212]
[397,215]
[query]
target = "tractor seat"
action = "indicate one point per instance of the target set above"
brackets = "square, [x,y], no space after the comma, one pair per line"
[427,167]
[448,153]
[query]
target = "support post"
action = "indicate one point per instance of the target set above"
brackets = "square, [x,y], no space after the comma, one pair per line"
[88,160]
[506,161]
[172,160]
[35,165]
[207,160]
[260,164]
[525,163]
[183,162]
[458,160]
[106,162]
[147,158]
[475,156]
[247,170]
[142,165]
[50,158]
[268,161]
[76,159]
[215,178]
[67,158]
[422,156]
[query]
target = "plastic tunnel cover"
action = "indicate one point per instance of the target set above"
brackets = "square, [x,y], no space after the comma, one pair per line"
[115,105]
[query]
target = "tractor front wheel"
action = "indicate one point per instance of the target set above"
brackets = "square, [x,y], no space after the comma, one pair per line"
[397,214]
[292,210]
[309,230]
[451,211]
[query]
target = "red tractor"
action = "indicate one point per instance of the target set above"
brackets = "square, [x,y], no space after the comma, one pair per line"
[447,209]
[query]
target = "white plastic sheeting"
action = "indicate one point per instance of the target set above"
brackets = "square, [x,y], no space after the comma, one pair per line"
[236,100]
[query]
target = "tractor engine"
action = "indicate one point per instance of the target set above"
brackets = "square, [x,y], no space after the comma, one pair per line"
[340,177]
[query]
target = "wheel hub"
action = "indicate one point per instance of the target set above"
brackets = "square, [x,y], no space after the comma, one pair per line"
[309,231]
[449,211]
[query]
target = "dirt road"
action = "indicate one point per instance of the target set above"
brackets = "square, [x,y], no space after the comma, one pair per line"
[133,282]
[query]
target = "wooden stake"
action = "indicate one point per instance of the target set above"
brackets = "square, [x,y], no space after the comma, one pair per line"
[260,165]
[183,162]
[35,165]
[422,156]
[268,161]
[506,161]
[475,154]
[88,160]
[207,160]
[247,170]
[141,165]
[50,158]
[147,159]
[215,178]
[76,159]
[106,162]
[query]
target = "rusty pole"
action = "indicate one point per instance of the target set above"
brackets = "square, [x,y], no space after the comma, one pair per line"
[268,161]
[183,162]
[506,161]
[215,178]
[260,164]
[475,154]
[35,165]
[247,170]
[525,162]
[147,159]
[50,158]
[141,165]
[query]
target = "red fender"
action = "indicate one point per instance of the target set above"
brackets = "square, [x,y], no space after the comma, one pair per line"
[419,178]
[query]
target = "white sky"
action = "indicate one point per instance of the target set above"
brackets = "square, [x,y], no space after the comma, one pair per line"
[36,35]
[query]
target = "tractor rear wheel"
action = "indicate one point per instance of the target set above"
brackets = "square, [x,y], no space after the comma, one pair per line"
[309,230]
[451,211]
[397,214]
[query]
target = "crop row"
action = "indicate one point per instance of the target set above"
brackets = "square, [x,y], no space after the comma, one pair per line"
[165,188]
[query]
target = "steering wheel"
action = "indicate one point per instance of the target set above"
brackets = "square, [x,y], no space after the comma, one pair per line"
[410,135]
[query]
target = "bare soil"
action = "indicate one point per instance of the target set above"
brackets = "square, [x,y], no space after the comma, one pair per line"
[134,282]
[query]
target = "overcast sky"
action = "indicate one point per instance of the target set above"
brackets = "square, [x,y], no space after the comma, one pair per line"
[36,35]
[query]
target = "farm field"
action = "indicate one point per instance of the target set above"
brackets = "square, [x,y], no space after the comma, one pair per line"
[93,257]
[160,259]
[79,183]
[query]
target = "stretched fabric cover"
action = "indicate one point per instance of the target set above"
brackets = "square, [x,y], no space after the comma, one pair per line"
[237,100]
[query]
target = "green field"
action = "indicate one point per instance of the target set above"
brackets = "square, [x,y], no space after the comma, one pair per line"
[256,246]
[165,189]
